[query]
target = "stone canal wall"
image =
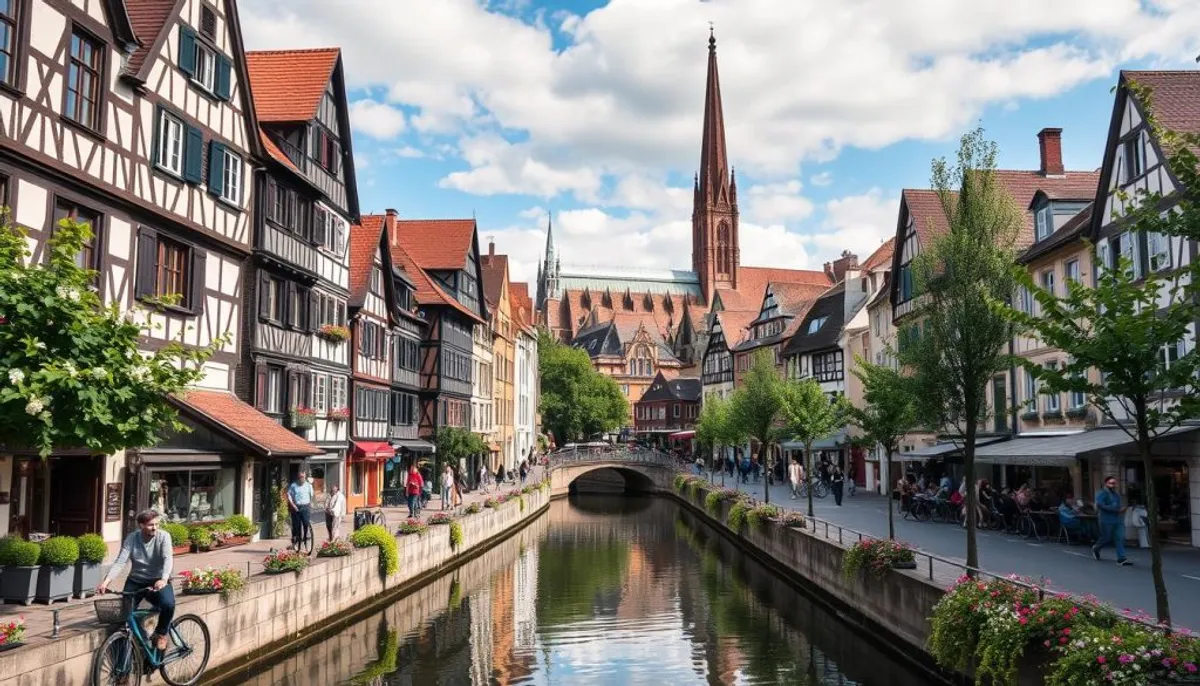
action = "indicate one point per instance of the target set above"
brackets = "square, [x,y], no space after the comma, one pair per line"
[274,613]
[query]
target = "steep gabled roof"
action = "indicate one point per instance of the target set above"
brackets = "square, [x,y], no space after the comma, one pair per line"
[882,257]
[681,389]
[244,424]
[288,84]
[522,304]
[366,239]
[495,272]
[426,290]
[437,244]
[831,307]
[149,18]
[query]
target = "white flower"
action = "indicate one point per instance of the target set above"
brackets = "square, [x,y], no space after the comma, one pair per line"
[39,345]
[15,376]
[69,368]
[45,415]
[33,407]
[67,293]
[140,372]
[99,374]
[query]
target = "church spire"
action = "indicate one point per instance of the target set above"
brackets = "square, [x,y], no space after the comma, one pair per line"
[714,163]
[715,251]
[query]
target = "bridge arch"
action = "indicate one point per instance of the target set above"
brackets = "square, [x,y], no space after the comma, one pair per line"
[611,479]
[622,470]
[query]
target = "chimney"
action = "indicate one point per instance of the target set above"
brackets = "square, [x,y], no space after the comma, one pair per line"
[837,269]
[391,213]
[491,249]
[1050,146]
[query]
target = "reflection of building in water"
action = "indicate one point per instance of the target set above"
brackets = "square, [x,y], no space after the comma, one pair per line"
[480,607]
[644,593]
[502,625]
[525,600]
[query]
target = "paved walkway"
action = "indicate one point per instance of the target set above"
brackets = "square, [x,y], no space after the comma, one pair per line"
[1065,568]
[78,615]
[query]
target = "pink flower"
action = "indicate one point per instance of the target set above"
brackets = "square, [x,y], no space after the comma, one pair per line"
[1101,659]
[1189,667]
[1125,659]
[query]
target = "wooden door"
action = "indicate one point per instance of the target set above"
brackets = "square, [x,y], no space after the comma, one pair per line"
[75,484]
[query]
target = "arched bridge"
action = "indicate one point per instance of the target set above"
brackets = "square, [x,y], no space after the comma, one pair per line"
[616,469]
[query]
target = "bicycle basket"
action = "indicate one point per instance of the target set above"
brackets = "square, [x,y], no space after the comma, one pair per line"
[113,610]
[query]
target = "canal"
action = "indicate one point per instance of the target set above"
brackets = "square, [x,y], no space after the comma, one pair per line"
[600,590]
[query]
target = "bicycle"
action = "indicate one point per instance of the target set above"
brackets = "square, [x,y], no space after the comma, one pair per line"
[820,489]
[304,542]
[127,655]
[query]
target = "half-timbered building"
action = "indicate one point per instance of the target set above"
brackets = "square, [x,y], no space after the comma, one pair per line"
[135,118]
[372,305]
[297,338]
[442,258]
[503,332]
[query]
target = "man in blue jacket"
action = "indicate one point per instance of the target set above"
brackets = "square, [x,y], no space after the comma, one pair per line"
[1112,521]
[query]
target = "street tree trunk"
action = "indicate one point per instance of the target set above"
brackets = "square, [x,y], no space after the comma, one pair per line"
[763,451]
[972,497]
[890,506]
[1162,604]
[808,475]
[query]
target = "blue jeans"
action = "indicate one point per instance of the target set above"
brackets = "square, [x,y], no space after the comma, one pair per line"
[1112,533]
[300,520]
[163,601]
[414,504]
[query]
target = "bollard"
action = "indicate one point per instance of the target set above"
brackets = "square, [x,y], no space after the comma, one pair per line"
[247,569]
[56,625]
[931,569]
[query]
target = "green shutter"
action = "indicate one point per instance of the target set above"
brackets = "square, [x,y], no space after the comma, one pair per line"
[224,69]
[187,50]
[158,115]
[216,168]
[193,156]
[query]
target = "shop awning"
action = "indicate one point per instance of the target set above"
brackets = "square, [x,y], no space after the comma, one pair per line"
[946,449]
[372,450]
[680,435]
[1059,450]
[833,442]
[414,445]
[226,415]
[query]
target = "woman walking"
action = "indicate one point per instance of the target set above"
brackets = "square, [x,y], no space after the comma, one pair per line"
[447,487]
[838,480]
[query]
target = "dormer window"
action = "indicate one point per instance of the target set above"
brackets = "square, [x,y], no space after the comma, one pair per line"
[816,324]
[1044,221]
[1135,157]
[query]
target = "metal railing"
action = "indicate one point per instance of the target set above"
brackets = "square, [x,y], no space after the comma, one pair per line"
[586,454]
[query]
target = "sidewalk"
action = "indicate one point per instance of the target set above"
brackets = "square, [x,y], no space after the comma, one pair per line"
[78,615]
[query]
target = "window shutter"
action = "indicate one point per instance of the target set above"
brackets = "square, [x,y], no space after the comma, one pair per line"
[264,289]
[272,189]
[289,315]
[158,115]
[199,265]
[146,255]
[193,156]
[293,384]
[216,167]
[319,227]
[314,311]
[260,386]
[224,69]
[187,50]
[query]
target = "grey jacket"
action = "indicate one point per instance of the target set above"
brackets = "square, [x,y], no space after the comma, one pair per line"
[152,560]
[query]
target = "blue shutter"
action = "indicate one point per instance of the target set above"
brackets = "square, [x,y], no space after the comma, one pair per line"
[216,168]
[193,155]
[187,50]
[224,69]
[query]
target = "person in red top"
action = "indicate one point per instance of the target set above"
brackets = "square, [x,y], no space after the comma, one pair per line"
[412,489]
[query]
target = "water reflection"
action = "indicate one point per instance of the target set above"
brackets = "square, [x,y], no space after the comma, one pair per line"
[601,590]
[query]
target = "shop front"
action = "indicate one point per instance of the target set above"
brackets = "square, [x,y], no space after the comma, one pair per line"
[365,471]
[61,494]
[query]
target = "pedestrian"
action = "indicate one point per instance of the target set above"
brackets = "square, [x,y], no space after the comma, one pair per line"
[299,497]
[1112,521]
[699,466]
[483,476]
[795,476]
[499,475]
[413,489]
[524,470]
[335,510]
[149,554]
[837,482]
[447,487]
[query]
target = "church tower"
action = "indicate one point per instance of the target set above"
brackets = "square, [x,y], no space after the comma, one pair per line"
[715,251]
[547,282]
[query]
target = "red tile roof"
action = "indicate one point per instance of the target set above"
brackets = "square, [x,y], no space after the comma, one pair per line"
[148,17]
[1176,97]
[274,151]
[287,85]
[364,243]
[243,423]
[522,304]
[437,243]
[427,292]
[733,325]
[882,257]
[495,272]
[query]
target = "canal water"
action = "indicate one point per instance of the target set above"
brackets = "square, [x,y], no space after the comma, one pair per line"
[604,590]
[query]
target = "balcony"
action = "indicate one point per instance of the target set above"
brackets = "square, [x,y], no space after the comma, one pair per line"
[288,248]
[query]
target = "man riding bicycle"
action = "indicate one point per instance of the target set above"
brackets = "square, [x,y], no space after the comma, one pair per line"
[299,496]
[148,551]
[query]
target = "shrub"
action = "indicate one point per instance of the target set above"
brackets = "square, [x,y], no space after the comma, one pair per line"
[240,525]
[473,508]
[756,516]
[227,580]
[92,549]
[20,553]
[792,518]
[492,503]
[6,541]
[712,502]
[413,525]
[375,535]
[201,536]
[179,534]
[737,515]
[59,551]
[875,554]
[681,482]
[694,488]
[338,547]
[440,518]
[456,535]
[285,561]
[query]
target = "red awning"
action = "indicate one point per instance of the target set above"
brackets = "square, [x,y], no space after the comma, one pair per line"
[679,435]
[372,450]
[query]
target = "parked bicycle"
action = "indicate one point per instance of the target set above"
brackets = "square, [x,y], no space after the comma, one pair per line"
[820,489]
[304,541]
[127,654]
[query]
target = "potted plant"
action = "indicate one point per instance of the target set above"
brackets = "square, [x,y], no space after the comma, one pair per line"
[92,550]
[201,537]
[20,561]
[240,530]
[338,547]
[334,333]
[339,414]
[181,544]
[302,418]
[209,580]
[56,581]
[12,634]
[412,525]
[285,561]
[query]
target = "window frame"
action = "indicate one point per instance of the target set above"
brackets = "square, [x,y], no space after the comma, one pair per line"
[168,246]
[1043,222]
[1072,266]
[206,56]
[319,388]
[72,83]
[165,122]
[1133,150]
[14,23]
[233,174]
[95,255]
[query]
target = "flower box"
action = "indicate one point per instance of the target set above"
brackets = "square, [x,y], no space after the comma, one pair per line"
[334,333]
[19,584]
[303,418]
[339,414]
[12,634]
[177,550]
[285,561]
[235,540]
[209,580]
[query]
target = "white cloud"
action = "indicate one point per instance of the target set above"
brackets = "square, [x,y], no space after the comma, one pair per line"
[498,166]
[777,202]
[821,179]
[376,119]
[409,151]
[858,223]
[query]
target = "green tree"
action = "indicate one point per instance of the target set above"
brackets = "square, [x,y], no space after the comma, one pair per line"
[757,410]
[576,400]
[811,416]
[72,374]
[716,428]
[956,343]
[1120,329]
[887,414]
[453,444]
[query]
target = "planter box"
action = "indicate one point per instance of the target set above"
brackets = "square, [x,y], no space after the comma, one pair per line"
[202,591]
[235,540]
[181,549]
[904,565]
[10,646]
[87,577]
[19,584]
[55,583]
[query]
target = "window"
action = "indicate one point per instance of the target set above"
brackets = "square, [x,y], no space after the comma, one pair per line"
[1044,218]
[268,388]
[404,409]
[1031,391]
[1052,399]
[1135,157]
[64,209]
[337,392]
[1103,257]
[224,173]
[329,231]
[1048,282]
[270,298]
[199,59]
[1158,251]
[675,411]
[1127,248]
[83,80]
[320,393]
[906,282]
[371,405]
[828,366]
[8,42]
[1072,271]
[299,390]
[816,324]
[1026,297]
[376,285]
[171,267]
[1171,353]
[206,68]
[357,477]
[170,143]
[194,495]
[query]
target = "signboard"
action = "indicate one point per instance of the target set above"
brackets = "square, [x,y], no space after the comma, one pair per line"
[112,502]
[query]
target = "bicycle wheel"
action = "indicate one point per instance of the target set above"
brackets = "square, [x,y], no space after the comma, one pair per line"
[117,662]
[381,519]
[187,652]
[306,540]
[821,489]
[922,511]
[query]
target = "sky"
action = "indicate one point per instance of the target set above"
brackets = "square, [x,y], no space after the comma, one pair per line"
[591,111]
